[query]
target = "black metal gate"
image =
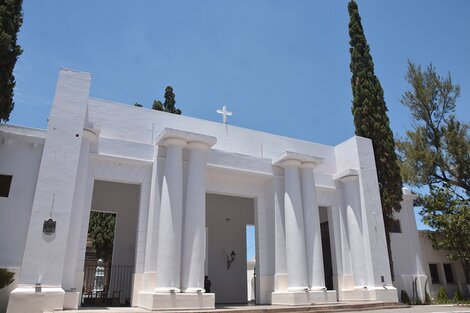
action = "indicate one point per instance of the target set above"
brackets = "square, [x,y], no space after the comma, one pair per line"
[108,285]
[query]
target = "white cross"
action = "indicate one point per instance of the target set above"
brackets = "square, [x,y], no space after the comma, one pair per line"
[224,113]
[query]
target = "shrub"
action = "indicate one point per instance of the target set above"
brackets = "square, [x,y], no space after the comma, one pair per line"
[457,297]
[442,296]
[427,297]
[404,297]
[6,277]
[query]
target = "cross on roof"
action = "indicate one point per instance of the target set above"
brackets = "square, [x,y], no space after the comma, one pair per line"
[224,113]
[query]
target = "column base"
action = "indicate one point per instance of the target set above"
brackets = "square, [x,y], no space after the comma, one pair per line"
[383,294]
[26,299]
[193,290]
[71,300]
[171,301]
[304,297]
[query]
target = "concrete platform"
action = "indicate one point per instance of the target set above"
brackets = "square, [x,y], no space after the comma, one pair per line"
[337,307]
[304,297]
[176,301]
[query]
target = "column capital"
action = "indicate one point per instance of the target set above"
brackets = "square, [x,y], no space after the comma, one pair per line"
[310,165]
[291,158]
[173,141]
[347,175]
[186,136]
[408,195]
[198,145]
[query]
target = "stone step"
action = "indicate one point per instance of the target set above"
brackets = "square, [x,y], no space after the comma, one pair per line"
[337,307]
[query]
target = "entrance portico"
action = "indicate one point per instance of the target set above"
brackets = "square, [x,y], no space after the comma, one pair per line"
[177,161]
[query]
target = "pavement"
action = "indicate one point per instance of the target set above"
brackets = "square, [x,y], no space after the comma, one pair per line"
[424,309]
[349,307]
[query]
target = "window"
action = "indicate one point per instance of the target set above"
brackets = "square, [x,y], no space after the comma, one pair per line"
[448,273]
[434,273]
[395,226]
[5,183]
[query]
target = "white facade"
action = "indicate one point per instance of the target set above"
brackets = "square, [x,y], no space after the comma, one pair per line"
[177,162]
[414,255]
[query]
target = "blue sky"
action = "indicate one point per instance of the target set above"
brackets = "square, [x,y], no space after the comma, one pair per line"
[280,66]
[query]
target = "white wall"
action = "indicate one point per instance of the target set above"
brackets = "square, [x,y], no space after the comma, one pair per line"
[439,257]
[20,159]
[226,219]
[133,137]
[122,199]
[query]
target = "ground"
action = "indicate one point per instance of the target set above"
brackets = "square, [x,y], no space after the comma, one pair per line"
[425,308]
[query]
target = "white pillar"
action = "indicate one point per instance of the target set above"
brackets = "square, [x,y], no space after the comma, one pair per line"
[153,217]
[194,228]
[280,265]
[295,235]
[315,270]
[170,221]
[71,256]
[354,222]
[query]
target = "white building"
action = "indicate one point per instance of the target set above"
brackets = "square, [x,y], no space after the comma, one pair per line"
[183,191]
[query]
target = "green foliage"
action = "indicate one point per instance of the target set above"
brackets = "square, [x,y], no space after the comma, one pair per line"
[371,120]
[442,297]
[427,297]
[436,154]
[101,231]
[404,297]
[11,18]
[138,105]
[169,104]
[157,105]
[457,297]
[6,277]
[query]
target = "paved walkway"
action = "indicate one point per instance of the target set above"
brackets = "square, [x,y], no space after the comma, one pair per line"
[340,307]
[426,309]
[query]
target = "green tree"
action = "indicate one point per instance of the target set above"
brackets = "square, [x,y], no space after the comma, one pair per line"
[436,154]
[169,104]
[11,18]
[371,121]
[101,232]
[157,105]
[137,104]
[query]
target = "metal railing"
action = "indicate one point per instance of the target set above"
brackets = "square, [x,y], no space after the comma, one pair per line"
[109,285]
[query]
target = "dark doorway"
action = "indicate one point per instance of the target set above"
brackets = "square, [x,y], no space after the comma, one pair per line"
[326,246]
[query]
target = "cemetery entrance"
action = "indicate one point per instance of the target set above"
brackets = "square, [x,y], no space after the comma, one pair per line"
[110,252]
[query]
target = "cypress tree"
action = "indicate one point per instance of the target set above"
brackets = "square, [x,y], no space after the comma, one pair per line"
[169,104]
[11,18]
[371,121]
[170,101]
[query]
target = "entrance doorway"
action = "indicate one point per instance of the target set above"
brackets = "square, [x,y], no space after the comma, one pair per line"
[227,218]
[326,247]
[110,253]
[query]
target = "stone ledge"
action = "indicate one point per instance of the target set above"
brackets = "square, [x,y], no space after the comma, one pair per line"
[26,299]
[372,294]
[178,301]
[304,298]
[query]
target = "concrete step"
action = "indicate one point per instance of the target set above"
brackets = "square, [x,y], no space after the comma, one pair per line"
[336,307]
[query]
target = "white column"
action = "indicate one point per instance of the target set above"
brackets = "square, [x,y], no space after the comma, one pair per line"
[280,265]
[192,273]
[153,217]
[295,235]
[315,270]
[71,256]
[170,222]
[354,218]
